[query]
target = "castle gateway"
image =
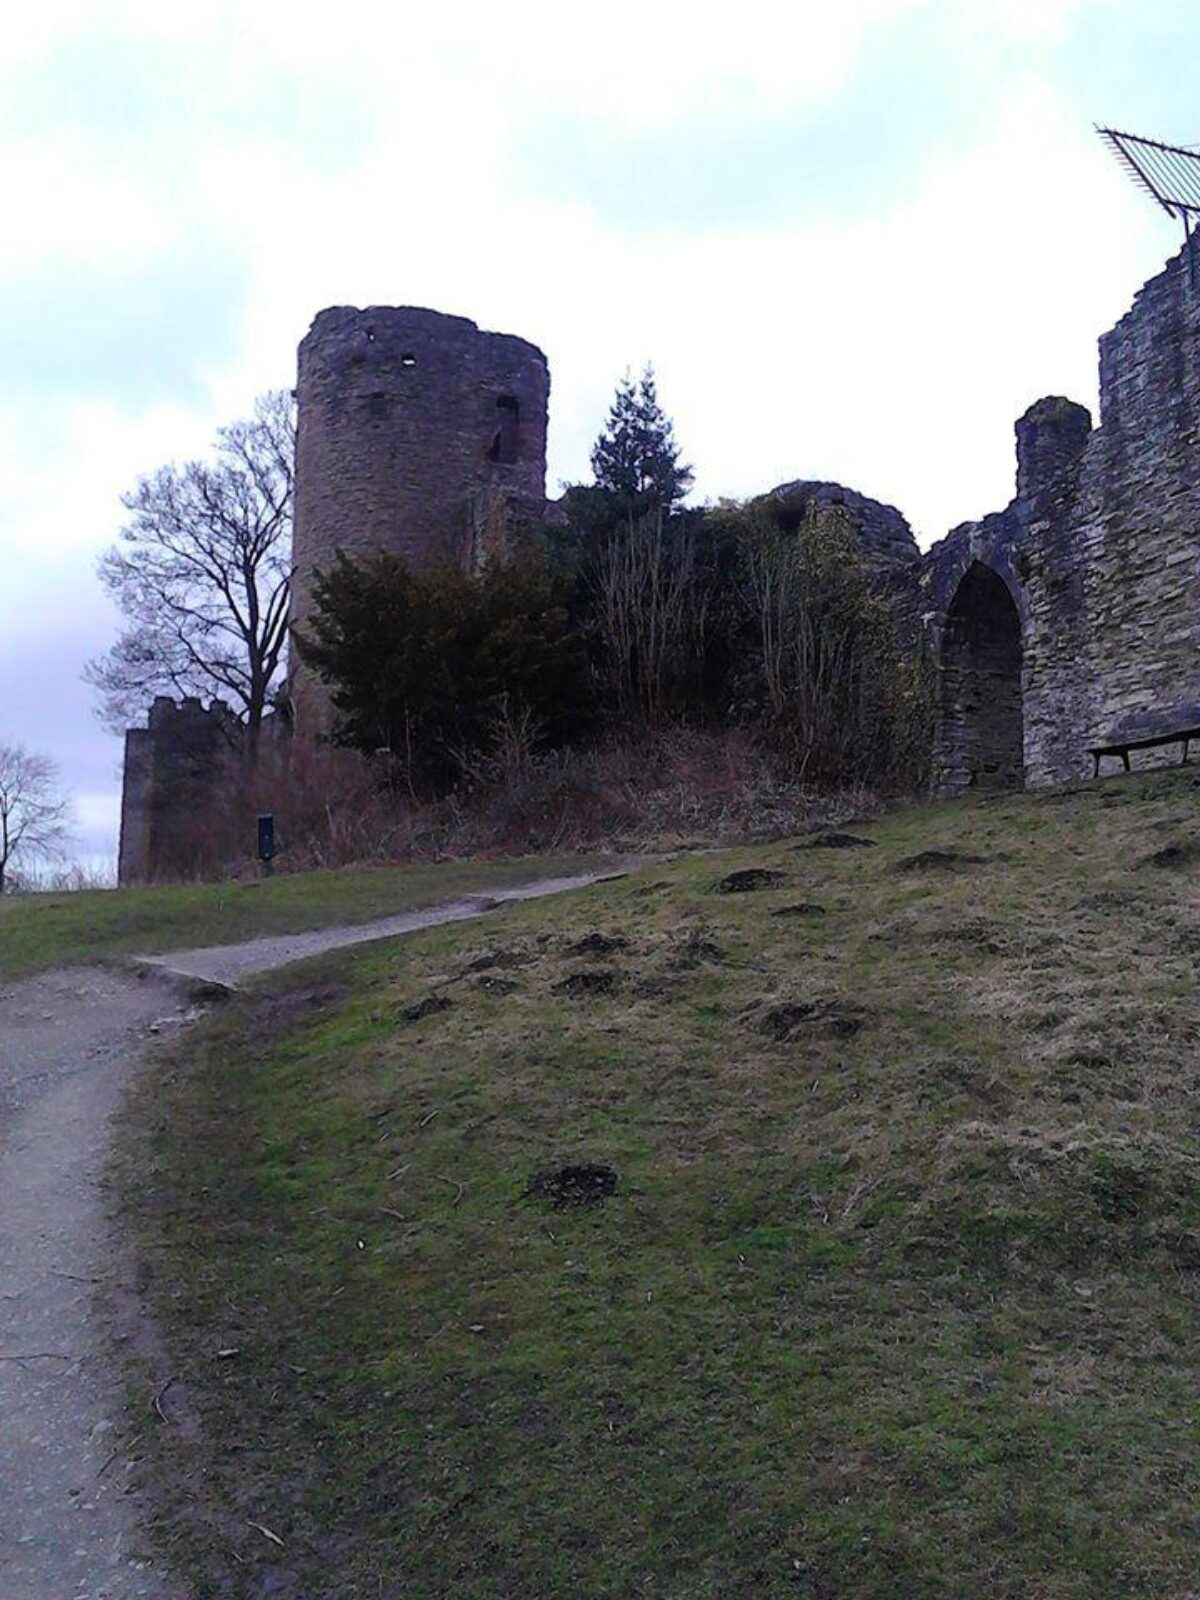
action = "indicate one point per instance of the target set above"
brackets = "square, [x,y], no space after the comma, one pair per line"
[1072,618]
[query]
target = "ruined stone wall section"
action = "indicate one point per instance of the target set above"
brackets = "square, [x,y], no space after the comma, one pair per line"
[415,430]
[883,532]
[175,769]
[133,851]
[1053,440]
[1138,521]
[1057,673]
[1100,547]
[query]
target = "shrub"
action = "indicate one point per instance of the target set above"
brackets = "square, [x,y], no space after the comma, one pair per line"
[818,662]
[420,665]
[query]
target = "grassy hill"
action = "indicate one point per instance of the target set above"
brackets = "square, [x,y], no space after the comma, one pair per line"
[51,930]
[889,1281]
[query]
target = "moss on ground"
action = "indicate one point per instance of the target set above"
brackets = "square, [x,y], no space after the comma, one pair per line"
[897,1295]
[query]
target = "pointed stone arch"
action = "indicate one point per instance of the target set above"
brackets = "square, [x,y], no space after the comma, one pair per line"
[981,724]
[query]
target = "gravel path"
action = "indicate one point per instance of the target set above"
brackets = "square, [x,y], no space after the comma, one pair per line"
[68,1042]
[227,964]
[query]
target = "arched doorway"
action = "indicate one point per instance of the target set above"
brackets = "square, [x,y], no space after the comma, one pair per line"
[981,726]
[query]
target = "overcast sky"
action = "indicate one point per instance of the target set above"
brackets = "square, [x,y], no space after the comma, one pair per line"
[856,240]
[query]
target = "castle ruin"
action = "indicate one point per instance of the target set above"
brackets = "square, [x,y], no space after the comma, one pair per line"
[172,767]
[1071,619]
[417,433]
[1067,620]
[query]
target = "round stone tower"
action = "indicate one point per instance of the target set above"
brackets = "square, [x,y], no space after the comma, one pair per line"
[418,433]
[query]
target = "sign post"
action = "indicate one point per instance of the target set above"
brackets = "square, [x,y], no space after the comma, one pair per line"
[266,842]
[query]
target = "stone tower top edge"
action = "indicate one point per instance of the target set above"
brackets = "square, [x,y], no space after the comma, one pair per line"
[1182,269]
[1052,436]
[389,323]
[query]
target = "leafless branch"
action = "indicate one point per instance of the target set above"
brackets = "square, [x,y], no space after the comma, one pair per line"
[34,811]
[201,575]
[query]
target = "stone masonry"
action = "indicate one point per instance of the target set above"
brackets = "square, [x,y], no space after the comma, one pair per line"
[172,767]
[417,433]
[883,532]
[1072,618]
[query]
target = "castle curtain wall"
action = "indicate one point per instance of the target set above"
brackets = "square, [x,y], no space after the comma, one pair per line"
[175,767]
[982,743]
[1139,532]
[1101,546]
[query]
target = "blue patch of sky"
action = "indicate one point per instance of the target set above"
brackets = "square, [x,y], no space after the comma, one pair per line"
[149,101]
[136,334]
[917,93]
[1134,67]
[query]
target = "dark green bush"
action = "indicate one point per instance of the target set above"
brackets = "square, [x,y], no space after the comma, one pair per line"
[424,665]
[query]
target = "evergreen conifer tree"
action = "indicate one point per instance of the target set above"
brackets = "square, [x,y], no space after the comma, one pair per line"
[636,458]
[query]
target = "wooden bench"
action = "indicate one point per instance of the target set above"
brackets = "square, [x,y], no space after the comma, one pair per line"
[1122,747]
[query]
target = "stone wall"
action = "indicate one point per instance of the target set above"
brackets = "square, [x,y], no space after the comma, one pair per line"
[981,740]
[890,551]
[883,531]
[175,767]
[1139,521]
[1099,553]
[417,433]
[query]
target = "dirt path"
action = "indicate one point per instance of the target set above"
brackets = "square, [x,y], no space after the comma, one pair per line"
[228,964]
[68,1042]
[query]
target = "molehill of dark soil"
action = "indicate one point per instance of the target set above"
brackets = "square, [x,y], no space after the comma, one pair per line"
[592,982]
[938,861]
[1177,854]
[598,944]
[587,1184]
[503,957]
[749,879]
[428,1007]
[491,983]
[795,1018]
[801,908]
[695,949]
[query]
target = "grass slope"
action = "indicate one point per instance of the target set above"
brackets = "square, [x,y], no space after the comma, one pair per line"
[896,1295]
[53,930]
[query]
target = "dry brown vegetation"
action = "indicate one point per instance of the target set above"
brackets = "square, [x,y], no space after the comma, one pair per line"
[654,792]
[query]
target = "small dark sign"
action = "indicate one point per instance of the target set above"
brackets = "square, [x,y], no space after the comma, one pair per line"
[266,837]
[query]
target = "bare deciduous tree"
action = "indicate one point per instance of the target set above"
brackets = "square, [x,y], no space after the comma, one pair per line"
[650,612]
[201,575]
[33,809]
